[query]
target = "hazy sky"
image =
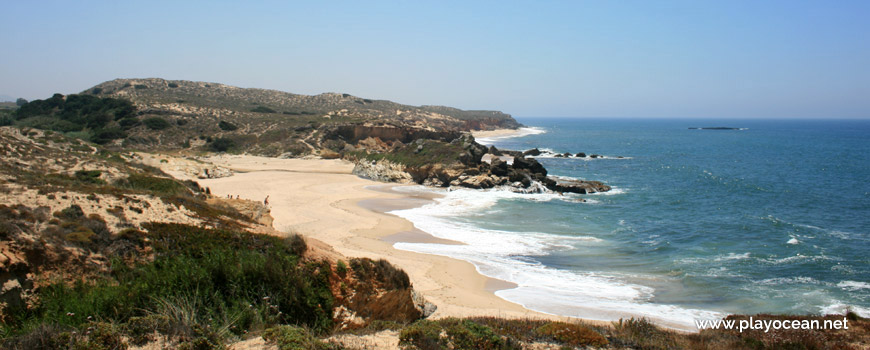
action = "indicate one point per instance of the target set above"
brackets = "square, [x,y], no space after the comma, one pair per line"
[537,58]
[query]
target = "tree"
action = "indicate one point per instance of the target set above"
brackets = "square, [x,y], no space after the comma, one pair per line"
[20,102]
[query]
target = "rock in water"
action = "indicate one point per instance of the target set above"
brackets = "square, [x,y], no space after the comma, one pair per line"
[532,152]
[577,186]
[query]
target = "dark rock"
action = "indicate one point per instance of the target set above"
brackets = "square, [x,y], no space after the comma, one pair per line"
[530,164]
[566,155]
[580,155]
[498,167]
[594,156]
[510,153]
[515,175]
[559,155]
[576,186]
[494,151]
[532,152]
[473,150]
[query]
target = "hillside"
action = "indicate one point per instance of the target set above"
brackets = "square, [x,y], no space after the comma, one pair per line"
[269,122]
[98,250]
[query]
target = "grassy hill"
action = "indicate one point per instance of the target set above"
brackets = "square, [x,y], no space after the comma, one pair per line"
[183,114]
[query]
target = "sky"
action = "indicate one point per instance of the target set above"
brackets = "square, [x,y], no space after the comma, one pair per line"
[614,59]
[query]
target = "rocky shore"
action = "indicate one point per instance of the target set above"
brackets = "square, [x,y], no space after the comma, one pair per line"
[471,165]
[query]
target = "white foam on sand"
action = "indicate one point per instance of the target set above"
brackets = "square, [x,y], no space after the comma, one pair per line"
[504,255]
[489,140]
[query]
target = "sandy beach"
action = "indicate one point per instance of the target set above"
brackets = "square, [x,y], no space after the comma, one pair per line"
[498,133]
[321,199]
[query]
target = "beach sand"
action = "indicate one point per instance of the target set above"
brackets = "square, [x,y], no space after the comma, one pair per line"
[321,199]
[498,133]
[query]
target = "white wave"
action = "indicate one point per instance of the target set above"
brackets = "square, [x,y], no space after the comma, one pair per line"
[732,256]
[793,240]
[520,133]
[500,254]
[853,285]
[793,259]
[778,281]
[840,309]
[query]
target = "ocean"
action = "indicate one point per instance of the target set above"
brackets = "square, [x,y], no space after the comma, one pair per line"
[771,218]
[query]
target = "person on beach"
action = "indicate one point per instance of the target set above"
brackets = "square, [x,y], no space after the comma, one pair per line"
[266,201]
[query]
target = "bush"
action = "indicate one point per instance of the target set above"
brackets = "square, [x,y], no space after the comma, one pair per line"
[222,145]
[103,136]
[572,334]
[465,334]
[294,338]
[341,268]
[128,123]
[172,85]
[159,185]
[262,109]
[227,126]
[201,284]
[140,86]
[89,176]
[156,123]
[423,334]
[382,271]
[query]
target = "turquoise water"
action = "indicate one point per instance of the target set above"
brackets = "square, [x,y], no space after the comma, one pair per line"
[774,218]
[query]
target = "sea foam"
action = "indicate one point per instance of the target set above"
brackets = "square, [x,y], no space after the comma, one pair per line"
[520,133]
[507,255]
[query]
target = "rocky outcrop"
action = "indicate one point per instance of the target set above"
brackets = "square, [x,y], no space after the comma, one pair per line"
[578,186]
[382,170]
[520,173]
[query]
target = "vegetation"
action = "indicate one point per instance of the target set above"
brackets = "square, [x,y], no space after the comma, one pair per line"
[294,338]
[415,154]
[263,109]
[227,126]
[99,119]
[156,123]
[203,286]
[222,144]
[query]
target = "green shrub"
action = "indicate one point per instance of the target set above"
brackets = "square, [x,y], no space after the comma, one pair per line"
[172,85]
[382,271]
[103,136]
[160,185]
[156,123]
[227,126]
[89,176]
[294,338]
[222,144]
[263,109]
[465,334]
[572,334]
[341,268]
[140,86]
[423,334]
[143,329]
[202,284]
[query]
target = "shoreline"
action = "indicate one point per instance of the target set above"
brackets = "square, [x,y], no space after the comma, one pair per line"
[487,137]
[321,199]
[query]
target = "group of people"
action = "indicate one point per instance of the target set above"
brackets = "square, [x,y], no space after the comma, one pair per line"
[265,201]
